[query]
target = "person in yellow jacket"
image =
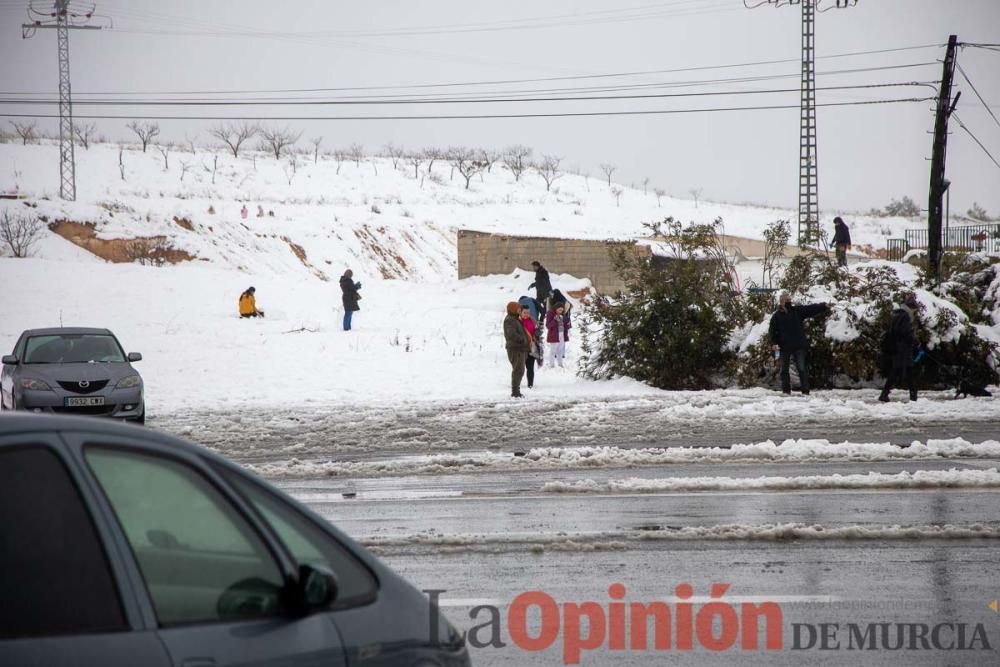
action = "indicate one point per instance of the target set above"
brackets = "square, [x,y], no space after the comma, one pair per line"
[248,304]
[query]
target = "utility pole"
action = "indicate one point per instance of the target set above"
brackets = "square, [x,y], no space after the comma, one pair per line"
[809,233]
[62,19]
[945,107]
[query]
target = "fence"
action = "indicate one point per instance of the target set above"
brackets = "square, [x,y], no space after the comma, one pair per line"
[968,238]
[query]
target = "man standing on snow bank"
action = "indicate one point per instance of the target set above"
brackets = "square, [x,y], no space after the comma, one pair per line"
[543,287]
[898,348]
[248,304]
[518,345]
[841,240]
[788,336]
[351,296]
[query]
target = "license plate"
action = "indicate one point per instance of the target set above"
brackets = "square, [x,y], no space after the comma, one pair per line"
[84,401]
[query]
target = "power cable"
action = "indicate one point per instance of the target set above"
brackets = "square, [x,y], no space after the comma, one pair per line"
[973,86]
[974,138]
[476,116]
[381,102]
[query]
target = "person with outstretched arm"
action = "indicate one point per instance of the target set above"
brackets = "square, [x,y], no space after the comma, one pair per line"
[543,287]
[789,338]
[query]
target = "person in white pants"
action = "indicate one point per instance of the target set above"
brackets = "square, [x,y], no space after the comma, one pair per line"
[557,333]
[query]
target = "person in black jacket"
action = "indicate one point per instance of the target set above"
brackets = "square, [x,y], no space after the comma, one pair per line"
[841,240]
[898,347]
[789,338]
[351,296]
[543,288]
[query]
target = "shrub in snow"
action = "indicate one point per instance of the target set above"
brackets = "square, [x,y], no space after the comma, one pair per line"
[844,348]
[20,232]
[670,325]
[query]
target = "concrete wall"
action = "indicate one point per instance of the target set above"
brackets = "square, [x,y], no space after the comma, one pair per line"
[482,254]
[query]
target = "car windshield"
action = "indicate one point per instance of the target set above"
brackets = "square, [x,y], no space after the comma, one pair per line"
[73,349]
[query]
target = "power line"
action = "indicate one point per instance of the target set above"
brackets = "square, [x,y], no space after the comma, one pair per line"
[543,79]
[972,85]
[477,116]
[389,101]
[974,138]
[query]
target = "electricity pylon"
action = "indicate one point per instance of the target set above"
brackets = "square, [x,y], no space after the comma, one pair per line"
[809,233]
[62,18]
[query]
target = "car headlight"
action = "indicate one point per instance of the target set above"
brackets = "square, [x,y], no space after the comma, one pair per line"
[34,385]
[129,382]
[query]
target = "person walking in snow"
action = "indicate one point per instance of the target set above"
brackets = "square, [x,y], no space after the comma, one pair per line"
[557,327]
[898,347]
[789,338]
[351,296]
[534,350]
[248,304]
[841,240]
[542,285]
[518,344]
[244,212]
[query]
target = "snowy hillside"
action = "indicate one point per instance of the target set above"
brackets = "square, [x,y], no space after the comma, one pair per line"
[388,222]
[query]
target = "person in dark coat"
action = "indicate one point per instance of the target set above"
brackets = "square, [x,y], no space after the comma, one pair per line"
[518,345]
[543,287]
[841,240]
[351,296]
[898,347]
[789,338]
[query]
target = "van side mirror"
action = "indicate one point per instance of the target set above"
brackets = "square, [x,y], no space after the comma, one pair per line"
[134,356]
[9,360]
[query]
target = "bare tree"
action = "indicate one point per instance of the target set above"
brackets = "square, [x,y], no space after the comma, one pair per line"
[432,154]
[165,152]
[145,130]
[190,145]
[275,140]
[20,232]
[696,195]
[121,160]
[608,169]
[357,153]
[466,161]
[548,169]
[215,167]
[645,185]
[83,133]
[415,159]
[316,141]
[660,193]
[489,156]
[27,131]
[341,156]
[394,153]
[617,193]
[234,135]
[517,158]
[185,165]
[291,168]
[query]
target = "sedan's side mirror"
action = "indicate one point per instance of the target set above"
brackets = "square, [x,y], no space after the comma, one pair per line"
[10,360]
[134,356]
[316,588]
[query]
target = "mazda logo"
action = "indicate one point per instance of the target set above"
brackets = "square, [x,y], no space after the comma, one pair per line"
[84,384]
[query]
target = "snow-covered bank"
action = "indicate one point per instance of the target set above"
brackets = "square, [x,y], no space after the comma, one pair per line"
[569,458]
[630,539]
[425,341]
[920,479]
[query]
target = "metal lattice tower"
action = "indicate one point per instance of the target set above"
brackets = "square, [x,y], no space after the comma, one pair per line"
[67,155]
[62,18]
[809,233]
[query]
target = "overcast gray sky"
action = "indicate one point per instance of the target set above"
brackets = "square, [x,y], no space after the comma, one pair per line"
[867,154]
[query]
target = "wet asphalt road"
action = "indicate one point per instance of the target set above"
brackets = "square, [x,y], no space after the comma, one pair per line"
[929,556]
